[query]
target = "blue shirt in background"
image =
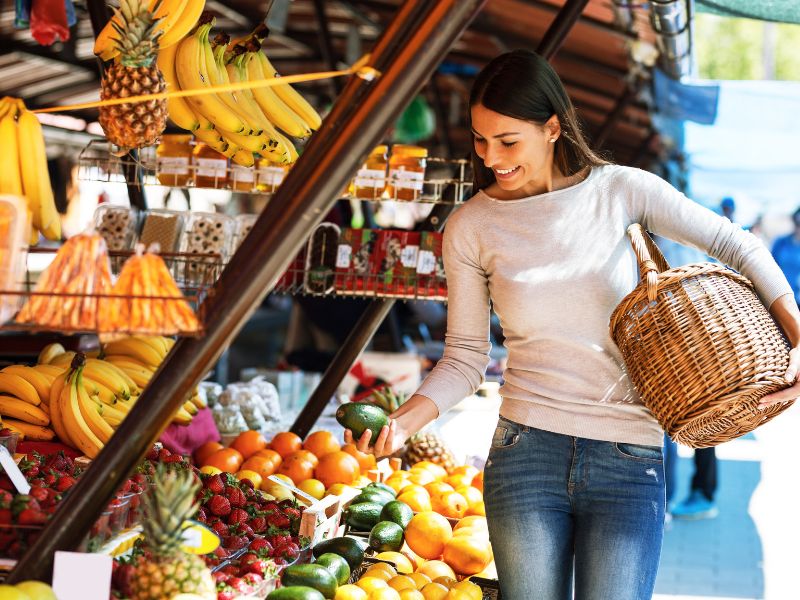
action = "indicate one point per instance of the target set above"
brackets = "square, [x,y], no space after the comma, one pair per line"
[786,251]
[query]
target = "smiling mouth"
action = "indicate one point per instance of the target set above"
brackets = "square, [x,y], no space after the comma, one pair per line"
[505,172]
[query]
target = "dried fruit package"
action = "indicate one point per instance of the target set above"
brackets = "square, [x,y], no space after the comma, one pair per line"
[146,300]
[68,293]
[14,226]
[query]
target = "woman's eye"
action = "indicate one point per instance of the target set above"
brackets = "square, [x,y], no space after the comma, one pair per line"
[508,144]
[480,140]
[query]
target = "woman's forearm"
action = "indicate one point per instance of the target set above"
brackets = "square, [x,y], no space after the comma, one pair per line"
[415,413]
[784,310]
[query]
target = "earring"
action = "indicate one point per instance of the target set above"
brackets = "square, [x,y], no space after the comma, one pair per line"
[553,141]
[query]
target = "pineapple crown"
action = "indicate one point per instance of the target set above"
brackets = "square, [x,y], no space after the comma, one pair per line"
[137,32]
[169,502]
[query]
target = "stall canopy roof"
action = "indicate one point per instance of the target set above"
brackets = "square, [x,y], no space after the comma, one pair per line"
[593,61]
[784,11]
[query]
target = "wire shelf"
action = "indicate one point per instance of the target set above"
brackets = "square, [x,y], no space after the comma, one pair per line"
[72,313]
[447,181]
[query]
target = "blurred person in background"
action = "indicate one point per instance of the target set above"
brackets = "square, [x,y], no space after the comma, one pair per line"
[786,251]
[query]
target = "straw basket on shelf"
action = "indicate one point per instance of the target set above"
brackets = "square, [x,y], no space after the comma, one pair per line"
[700,347]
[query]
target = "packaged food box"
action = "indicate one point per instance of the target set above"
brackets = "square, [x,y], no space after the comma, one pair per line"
[431,282]
[14,228]
[244,223]
[398,254]
[162,227]
[206,234]
[355,261]
[321,259]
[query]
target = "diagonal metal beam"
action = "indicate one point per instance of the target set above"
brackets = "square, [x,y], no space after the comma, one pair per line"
[406,55]
[560,27]
[623,101]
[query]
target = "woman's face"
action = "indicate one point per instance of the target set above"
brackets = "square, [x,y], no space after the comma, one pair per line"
[518,152]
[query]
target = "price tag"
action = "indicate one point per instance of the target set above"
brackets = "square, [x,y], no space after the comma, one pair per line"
[198,539]
[343,253]
[13,472]
[408,257]
[426,263]
[81,576]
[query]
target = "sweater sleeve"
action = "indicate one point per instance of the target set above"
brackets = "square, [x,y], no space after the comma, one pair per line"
[462,368]
[665,211]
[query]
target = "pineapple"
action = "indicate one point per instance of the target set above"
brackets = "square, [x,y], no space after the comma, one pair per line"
[134,73]
[169,571]
[429,446]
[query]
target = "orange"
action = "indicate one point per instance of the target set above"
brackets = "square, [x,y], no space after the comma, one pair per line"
[459,480]
[398,483]
[436,568]
[490,572]
[473,591]
[427,533]
[402,582]
[286,442]
[254,477]
[337,467]
[477,482]
[297,468]
[260,464]
[434,591]
[206,450]
[467,555]
[438,471]
[465,470]
[350,592]
[227,459]
[382,570]
[477,509]
[420,579]
[455,594]
[384,594]
[270,455]
[321,443]
[472,522]
[471,494]
[419,500]
[369,584]
[249,442]
[445,580]
[307,456]
[209,470]
[437,488]
[411,595]
[450,504]
[422,477]
[401,561]
[365,461]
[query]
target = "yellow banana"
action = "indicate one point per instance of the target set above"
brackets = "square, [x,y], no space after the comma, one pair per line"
[170,13]
[90,414]
[125,361]
[63,360]
[49,352]
[80,433]
[197,401]
[219,76]
[137,349]
[213,139]
[192,75]
[19,409]
[274,108]
[103,393]
[178,109]
[187,406]
[39,382]
[10,165]
[37,433]
[137,373]
[181,417]
[35,176]
[16,386]
[250,143]
[186,22]
[243,158]
[290,96]
[112,412]
[56,418]
[108,375]
[156,341]
[49,371]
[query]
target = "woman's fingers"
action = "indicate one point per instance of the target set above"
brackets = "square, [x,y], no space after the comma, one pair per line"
[794,365]
[348,436]
[363,441]
[782,396]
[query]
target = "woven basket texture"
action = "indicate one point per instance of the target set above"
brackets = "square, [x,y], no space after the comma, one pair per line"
[700,348]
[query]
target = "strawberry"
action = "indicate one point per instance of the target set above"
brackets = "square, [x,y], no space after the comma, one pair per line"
[258,567]
[5,516]
[254,578]
[239,584]
[290,551]
[234,542]
[221,552]
[65,483]
[271,506]
[292,512]
[164,454]
[278,520]
[5,499]
[227,593]
[220,577]
[237,516]
[235,496]
[215,484]
[260,545]
[230,570]
[219,505]
[50,478]
[41,495]
[246,530]
[220,528]
[31,516]
[172,459]
[258,524]
[58,462]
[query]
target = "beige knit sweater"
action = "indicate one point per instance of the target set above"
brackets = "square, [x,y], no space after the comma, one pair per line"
[554,267]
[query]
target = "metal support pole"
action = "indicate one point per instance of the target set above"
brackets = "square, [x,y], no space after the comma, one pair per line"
[560,27]
[406,54]
[623,101]
[354,345]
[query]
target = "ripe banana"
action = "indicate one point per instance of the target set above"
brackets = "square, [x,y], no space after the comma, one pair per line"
[139,374]
[187,406]
[31,432]
[158,343]
[181,417]
[63,360]
[137,349]
[80,433]
[56,418]
[90,414]
[35,176]
[16,386]
[178,109]
[290,96]
[170,12]
[11,182]
[49,352]
[274,108]
[192,75]
[39,382]
[19,409]
[219,76]
[111,377]
[213,139]
[243,158]
[98,390]
[188,19]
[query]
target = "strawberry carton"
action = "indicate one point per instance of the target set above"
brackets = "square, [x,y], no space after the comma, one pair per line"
[431,281]
[398,253]
[355,261]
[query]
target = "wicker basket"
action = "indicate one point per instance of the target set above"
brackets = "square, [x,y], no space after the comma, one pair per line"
[700,347]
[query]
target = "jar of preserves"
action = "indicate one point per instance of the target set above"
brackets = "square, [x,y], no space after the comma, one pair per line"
[406,172]
[269,175]
[243,179]
[210,167]
[370,179]
[173,156]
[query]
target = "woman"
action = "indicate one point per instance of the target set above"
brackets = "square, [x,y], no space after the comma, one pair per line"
[574,482]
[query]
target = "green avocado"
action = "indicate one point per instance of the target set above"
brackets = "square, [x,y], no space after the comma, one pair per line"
[337,565]
[386,536]
[295,592]
[349,548]
[360,416]
[364,515]
[397,512]
[313,576]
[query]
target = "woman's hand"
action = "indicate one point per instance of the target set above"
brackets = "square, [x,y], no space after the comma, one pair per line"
[790,393]
[389,440]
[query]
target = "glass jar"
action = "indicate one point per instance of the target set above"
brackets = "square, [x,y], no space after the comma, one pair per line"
[406,172]
[370,179]
[210,167]
[269,175]
[243,178]
[173,155]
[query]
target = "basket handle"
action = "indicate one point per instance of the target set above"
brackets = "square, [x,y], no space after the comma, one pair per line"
[650,258]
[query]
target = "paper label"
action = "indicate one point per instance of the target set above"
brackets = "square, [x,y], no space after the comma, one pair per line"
[426,263]
[370,178]
[343,254]
[243,174]
[81,576]
[173,165]
[212,167]
[409,256]
[408,180]
[271,176]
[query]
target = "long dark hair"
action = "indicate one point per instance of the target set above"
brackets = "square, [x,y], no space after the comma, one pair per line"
[523,85]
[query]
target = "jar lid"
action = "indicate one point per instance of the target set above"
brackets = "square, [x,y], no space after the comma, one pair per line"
[176,138]
[383,149]
[409,151]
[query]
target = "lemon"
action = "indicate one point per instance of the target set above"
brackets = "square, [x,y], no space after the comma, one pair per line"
[254,477]
[400,560]
[36,590]
[9,592]
[434,591]
[313,487]
[209,470]
[384,594]
[350,592]
[402,582]
[370,584]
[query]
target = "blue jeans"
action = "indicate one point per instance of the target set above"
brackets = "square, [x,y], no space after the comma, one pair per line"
[554,501]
